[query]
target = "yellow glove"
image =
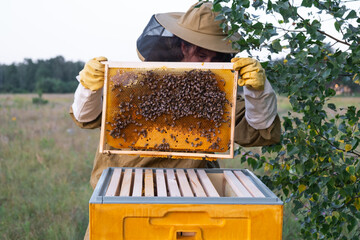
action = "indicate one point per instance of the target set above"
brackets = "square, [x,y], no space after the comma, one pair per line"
[252,74]
[92,76]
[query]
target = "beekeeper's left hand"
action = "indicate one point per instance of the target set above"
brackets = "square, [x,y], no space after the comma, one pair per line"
[252,75]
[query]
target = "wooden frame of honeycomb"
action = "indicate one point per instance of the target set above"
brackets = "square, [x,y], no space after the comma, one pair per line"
[169,109]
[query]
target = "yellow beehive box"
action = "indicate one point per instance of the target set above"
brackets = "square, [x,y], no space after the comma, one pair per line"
[137,203]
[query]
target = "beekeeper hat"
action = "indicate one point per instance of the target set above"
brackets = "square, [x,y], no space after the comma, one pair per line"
[197,26]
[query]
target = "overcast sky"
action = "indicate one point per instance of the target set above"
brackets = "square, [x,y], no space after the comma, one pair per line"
[76,29]
[83,29]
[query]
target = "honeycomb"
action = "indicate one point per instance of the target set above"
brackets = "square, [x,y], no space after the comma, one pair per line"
[169,109]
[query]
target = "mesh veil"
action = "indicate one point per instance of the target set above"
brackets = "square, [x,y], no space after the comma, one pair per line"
[158,44]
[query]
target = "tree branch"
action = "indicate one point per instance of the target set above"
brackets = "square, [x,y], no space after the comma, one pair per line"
[289,30]
[334,38]
[332,144]
[324,33]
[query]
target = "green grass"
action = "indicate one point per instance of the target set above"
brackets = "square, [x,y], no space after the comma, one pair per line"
[45,166]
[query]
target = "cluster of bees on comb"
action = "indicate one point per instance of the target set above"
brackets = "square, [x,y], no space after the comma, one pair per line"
[168,98]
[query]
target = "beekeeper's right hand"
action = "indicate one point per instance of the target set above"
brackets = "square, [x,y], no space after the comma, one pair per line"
[251,72]
[92,76]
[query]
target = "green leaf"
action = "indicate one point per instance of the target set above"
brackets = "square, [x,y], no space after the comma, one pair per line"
[352,14]
[219,17]
[355,143]
[269,6]
[350,170]
[257,3]
[276,45]
[291,149]
[252,162]
[326,73]
[316,24]
[337,26]
[219,1]
[217,7]
[307,3]
[246,3]
[298,205]
[332,106]
[342,127]
[352,223]
[258,25]
[300,168]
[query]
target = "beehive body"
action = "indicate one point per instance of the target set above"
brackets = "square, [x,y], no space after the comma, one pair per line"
[165,221]
[228,216]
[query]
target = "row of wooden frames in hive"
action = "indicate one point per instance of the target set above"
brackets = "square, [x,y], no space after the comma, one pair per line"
[164,109]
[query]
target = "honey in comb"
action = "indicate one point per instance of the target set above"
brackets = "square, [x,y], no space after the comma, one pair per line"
[173,100]
[126,79]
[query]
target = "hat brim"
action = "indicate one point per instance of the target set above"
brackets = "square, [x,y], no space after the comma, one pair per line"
[217,43]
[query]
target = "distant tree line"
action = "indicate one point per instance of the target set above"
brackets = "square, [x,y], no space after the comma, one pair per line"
[54,75]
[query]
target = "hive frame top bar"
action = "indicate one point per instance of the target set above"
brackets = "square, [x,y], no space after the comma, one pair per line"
[191,65]
[98,196]
[169,65]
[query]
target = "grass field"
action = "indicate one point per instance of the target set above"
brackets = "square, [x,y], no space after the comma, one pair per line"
[45,166]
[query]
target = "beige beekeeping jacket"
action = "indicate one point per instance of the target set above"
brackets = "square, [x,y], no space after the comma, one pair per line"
[245,135]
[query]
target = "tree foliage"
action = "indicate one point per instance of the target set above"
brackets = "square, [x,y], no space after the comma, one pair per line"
[316,166]
[54,75]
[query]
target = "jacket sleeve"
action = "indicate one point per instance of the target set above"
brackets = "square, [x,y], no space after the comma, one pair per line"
[96,123]
[86,108]
[247,136]
[87,104]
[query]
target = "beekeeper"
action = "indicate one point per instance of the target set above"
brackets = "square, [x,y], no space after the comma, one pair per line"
[193,36]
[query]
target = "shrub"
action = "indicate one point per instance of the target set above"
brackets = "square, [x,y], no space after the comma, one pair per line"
[316,166]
